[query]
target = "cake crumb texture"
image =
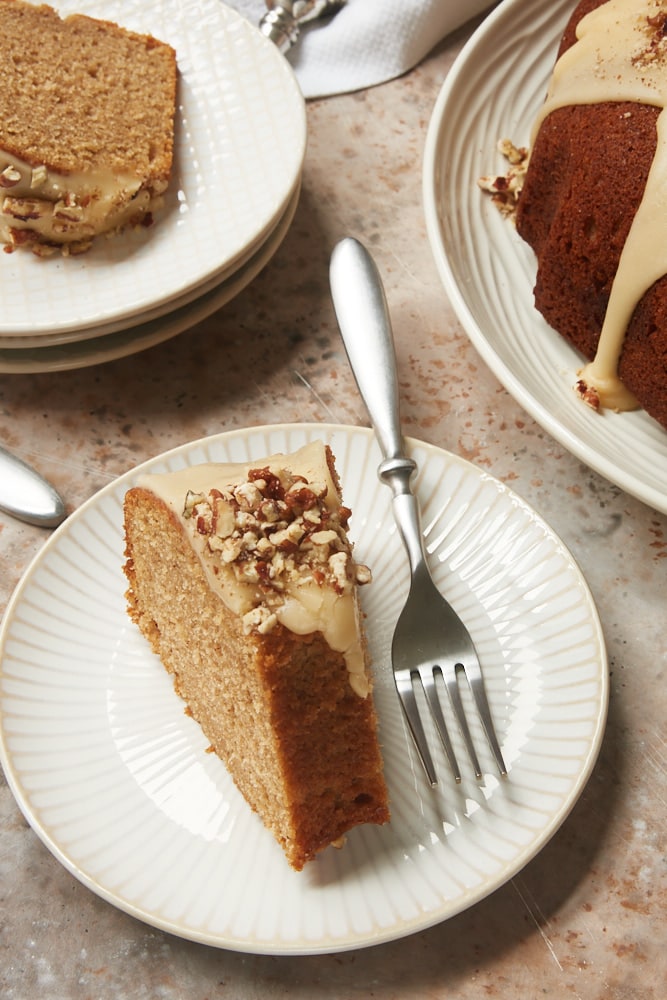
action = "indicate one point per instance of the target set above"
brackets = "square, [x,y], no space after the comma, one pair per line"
[79,93]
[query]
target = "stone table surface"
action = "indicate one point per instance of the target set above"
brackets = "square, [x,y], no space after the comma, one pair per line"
[586,917]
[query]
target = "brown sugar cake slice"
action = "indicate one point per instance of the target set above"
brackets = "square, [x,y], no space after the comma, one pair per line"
[86,127]
[242,579]
[594,201]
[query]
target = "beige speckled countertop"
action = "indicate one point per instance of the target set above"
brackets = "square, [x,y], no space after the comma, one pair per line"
[586,918]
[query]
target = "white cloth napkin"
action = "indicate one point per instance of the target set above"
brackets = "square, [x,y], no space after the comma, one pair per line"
[368,41]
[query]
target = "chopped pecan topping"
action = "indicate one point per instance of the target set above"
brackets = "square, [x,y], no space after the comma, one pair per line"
[68,209]
[10,177]
[25,209]
[39,176]
[276,533]
[588,394]
[505,189]
[655,48]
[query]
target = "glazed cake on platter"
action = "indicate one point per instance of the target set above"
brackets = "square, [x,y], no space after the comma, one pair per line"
[593,205]
[589,195]
[86,128]
[242,579]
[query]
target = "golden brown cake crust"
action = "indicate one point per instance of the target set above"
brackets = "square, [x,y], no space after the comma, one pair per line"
[278,708]
[584,183]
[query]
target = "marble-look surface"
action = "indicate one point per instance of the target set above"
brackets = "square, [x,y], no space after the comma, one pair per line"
[586,918]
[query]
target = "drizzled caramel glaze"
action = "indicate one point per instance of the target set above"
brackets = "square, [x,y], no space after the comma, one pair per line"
[621,55]
[305,600]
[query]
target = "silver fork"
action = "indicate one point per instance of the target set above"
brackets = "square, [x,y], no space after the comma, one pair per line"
[430,641]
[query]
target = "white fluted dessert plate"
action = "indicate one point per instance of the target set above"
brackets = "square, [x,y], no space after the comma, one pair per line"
[239,148]
[115,778]
[493,92]
[165,316]
[96,349]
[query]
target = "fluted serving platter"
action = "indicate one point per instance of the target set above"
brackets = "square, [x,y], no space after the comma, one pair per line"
[115,778]
[240,139]
[493,92]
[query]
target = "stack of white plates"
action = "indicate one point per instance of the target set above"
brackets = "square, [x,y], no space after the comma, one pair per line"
[239,149]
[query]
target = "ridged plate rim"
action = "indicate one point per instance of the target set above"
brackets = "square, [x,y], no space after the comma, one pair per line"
[115,779]
[494,91]
[96,348]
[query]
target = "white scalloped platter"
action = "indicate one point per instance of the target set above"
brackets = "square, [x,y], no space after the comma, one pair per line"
[493,92]
[239,148]
[115,778]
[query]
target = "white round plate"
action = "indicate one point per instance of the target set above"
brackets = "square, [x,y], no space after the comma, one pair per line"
[493,92]
[115,777]
[239,149]
[228,277]
[95,349]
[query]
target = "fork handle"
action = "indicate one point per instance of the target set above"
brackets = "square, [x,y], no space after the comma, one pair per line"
[363,317]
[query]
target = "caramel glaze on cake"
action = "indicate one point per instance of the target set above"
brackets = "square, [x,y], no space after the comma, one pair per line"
[242,580]
[587,177]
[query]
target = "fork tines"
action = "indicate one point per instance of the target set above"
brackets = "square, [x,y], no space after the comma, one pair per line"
[426,677]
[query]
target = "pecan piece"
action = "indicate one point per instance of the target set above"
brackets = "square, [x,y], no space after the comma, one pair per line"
[9,177]
[26,209]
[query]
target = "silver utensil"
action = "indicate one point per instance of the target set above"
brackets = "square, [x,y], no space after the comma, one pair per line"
[431,644]
[284,18]
[26,495]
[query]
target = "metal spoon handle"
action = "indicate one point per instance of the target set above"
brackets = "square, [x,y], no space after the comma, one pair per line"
[363,318]
[26,495]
